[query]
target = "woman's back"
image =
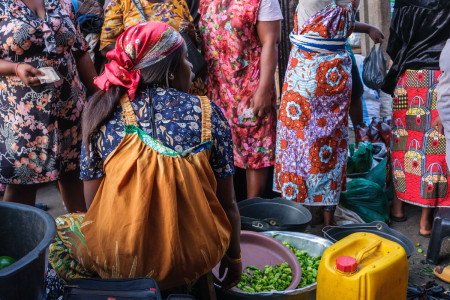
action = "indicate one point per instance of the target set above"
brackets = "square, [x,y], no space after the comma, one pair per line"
[171,117]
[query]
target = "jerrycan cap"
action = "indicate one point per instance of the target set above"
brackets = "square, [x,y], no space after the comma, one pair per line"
[346,264]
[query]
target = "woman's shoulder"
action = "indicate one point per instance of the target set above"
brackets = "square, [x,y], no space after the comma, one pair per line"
[174,94]
[187,101]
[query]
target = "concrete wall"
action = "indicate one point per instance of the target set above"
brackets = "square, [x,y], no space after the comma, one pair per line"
[378,13]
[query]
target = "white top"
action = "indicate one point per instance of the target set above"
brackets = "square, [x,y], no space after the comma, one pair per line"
[269,10]
[308,8]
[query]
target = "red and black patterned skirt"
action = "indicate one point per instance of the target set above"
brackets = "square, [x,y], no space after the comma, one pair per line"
[418,150]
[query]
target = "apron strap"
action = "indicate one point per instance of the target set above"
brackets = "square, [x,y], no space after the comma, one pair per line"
[206,118]
[127,111]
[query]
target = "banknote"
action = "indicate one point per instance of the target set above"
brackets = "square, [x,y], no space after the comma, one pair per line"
[50,75]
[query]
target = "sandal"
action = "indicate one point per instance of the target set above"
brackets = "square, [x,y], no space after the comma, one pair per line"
[398,219]
[442,273]
[427,235]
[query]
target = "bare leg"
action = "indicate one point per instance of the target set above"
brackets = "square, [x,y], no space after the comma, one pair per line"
[426,220]
[71,189]
[397,207]
[356,112]
[21,193]
[328,218]
[256,182]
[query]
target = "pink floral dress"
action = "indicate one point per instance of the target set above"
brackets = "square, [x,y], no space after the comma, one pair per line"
[40,130]
[233,52]
[312,134]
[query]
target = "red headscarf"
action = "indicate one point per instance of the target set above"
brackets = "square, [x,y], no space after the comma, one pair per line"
[137,47]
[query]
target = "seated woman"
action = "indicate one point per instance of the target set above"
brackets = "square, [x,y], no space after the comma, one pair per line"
[158,170]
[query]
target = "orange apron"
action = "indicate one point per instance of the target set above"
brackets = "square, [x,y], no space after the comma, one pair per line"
[156,213]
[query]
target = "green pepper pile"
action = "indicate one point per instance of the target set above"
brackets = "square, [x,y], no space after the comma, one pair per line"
[271,278]
[309,265]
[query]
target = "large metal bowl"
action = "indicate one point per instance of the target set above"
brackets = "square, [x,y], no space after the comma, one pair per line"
[276,214]
[312,244]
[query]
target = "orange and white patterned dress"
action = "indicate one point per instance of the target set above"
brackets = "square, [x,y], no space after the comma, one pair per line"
[312,137]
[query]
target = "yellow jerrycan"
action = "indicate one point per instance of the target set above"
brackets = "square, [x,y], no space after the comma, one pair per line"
[363,266]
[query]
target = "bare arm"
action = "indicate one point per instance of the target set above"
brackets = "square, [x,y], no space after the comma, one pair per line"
[374,32]
[225,194]
[108,48]
[270,36]
[7,68]
[90,189]
[26,72]
[86,70]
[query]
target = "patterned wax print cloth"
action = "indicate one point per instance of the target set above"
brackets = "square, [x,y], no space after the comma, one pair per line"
[122,14]
[311,148]
[62,255]
[233,53]
[40,132]
[418,150]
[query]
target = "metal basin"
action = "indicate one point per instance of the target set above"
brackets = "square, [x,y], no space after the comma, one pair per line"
[277,214]
[312,244]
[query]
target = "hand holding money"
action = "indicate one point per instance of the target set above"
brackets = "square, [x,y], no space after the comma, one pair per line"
[28,74]
[49,76]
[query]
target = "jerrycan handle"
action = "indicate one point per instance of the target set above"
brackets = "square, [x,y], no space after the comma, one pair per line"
[366,250]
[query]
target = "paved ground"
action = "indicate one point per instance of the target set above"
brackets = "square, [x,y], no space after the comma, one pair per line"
[419,273]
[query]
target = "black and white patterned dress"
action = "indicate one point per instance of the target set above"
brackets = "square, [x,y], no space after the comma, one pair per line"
[40,131]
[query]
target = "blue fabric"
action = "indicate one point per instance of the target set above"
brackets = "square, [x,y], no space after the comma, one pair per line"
[82,18]
[172,118]
[320,43]
[90,23]
[75,5]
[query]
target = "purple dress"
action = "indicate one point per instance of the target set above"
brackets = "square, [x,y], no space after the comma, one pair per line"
[311,149]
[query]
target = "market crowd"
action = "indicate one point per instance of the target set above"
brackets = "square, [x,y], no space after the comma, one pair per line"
[141,110]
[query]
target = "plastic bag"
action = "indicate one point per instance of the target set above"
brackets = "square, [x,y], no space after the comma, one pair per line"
[374,68]
[343,216]
[367,199]
[430,291]
[379,151]
[378,174]
[359,161]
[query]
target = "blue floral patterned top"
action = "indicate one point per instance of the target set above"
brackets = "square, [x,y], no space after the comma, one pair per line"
[171,117]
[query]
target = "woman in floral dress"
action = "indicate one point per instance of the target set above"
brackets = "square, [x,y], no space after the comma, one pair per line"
[240,41]
[311,149]
[40,133]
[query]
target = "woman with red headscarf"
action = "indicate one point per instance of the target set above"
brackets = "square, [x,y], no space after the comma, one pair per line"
[158,170]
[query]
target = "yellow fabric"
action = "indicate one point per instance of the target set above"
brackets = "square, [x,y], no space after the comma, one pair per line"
[155,215]
[122,14]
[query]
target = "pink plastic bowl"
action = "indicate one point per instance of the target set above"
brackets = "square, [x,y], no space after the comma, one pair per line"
[260,250]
